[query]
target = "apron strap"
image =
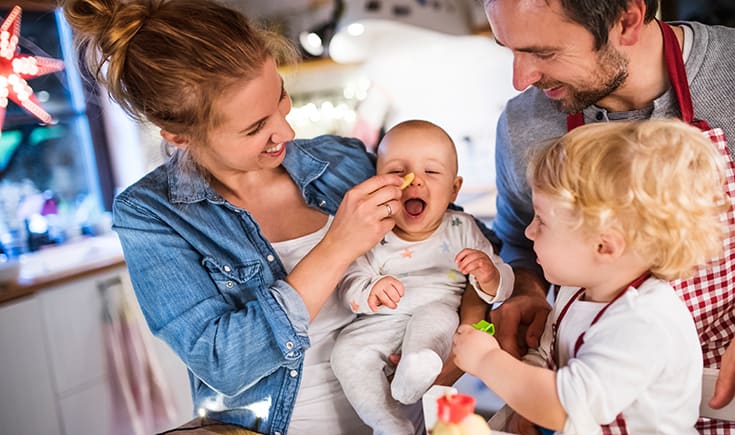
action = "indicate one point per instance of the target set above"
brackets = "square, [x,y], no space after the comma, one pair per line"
[575,120]
[678,77]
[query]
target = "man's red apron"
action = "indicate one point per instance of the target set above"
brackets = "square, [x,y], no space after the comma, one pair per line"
[710,293]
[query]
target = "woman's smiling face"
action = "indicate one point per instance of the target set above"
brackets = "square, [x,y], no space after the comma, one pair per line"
[253,131]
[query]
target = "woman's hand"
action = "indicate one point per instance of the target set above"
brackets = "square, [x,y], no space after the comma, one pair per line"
[360,223]
[365,215]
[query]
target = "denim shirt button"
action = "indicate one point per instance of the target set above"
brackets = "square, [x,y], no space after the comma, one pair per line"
[227,268]
[230,284]
[289,345]
[294,373]
[270,258]
[322,203]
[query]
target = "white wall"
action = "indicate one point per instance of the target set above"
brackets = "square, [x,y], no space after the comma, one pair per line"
[460,83]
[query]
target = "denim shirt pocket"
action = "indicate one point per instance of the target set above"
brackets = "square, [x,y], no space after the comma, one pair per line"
[236,282]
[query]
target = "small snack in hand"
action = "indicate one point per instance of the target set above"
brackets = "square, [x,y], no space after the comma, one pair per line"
[407,179]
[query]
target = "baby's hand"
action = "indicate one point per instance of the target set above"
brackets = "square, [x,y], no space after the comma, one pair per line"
[478,264]
[387,291]
[471,346]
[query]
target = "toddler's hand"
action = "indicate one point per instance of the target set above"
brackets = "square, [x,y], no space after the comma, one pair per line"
[387,291]
[471,346]
[478,264]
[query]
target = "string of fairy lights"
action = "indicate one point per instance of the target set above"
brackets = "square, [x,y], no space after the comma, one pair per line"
[331,111]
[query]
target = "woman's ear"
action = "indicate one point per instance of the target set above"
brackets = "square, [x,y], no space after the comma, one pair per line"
[177,140]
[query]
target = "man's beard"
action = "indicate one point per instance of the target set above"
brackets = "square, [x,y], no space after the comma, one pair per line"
[612,73]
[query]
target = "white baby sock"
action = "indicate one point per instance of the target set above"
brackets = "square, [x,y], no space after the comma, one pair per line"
[416,372]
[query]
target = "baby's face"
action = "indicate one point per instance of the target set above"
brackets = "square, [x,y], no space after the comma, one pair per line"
[432,158]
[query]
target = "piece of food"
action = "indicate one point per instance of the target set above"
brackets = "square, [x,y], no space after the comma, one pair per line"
[407,179]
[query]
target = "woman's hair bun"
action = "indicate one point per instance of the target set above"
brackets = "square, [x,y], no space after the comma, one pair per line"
[103,28]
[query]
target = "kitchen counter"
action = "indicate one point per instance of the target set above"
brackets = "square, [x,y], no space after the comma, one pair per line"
[58,264]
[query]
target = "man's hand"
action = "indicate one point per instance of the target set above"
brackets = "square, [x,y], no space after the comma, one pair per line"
[472,310]
[519,321]
[450,373]
[387,291]
[519,425]
[725,385]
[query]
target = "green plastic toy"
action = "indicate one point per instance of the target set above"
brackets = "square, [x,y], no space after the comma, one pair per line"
[486,326]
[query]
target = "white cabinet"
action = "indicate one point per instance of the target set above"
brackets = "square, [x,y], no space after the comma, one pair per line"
[27,401]
[72,314]
[56,378]
[73,319]
[89,411]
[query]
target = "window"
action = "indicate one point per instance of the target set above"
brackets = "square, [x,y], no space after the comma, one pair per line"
[54,179]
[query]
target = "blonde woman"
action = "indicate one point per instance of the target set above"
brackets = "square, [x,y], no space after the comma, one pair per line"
[236,244]
[620,209]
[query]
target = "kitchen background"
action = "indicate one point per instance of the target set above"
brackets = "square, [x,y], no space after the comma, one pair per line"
[75,355]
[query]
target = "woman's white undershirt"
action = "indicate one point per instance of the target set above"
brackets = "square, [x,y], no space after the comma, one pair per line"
[321,406]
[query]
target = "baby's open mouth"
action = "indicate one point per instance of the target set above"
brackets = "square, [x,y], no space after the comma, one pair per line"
[414,206]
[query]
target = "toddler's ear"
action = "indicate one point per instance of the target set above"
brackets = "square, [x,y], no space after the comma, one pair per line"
[610,245]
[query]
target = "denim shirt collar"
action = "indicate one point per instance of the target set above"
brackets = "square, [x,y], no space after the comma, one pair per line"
[303,166]
[191,186]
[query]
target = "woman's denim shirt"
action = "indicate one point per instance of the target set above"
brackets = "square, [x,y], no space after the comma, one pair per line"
[213,288]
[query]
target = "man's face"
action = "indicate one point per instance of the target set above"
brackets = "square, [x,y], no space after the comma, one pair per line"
[555,54]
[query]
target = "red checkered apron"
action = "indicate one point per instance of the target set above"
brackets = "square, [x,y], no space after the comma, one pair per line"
[710,293]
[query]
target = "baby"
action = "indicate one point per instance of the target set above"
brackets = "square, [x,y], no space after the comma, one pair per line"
[407,290]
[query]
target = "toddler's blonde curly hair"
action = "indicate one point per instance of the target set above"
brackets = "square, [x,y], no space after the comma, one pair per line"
[659,182]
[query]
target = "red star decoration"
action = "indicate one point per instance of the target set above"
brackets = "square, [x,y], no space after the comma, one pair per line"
[407,253]
[15,68]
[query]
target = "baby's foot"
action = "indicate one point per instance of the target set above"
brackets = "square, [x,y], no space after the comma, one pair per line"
[416,372]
